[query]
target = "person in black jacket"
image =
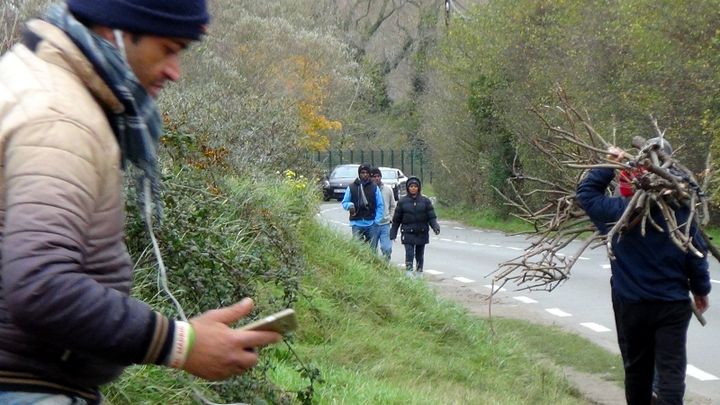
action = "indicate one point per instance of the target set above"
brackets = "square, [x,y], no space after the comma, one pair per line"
[414,216]
[365,203]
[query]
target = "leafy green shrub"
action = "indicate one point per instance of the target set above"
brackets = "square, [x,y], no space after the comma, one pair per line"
[223,238]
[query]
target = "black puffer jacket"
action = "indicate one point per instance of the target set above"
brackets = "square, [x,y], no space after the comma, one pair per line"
[414,216]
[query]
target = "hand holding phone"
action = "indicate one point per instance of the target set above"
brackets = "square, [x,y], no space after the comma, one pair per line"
[281,322]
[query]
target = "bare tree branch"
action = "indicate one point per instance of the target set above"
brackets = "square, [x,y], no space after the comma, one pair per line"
[662,184]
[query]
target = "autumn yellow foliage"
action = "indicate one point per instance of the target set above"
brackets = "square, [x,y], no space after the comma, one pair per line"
[311,86]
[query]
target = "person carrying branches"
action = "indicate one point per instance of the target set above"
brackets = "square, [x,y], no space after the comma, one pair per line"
[657,258]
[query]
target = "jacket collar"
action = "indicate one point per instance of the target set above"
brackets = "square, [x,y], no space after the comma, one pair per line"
[58,49]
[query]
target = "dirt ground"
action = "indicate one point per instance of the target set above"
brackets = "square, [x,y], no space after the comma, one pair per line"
[594,388]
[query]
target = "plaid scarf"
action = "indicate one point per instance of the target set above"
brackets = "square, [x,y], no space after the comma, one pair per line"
[139,126]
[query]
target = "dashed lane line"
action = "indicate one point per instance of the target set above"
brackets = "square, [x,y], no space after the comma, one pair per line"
[495,246]
[595,327]
[564,255]
[524,299]
[433,272]
[459,228]
[494,288]
[558,312]
[478,244]
[463,280]
[446,240]
[695,372]
[712,280]
[605,266]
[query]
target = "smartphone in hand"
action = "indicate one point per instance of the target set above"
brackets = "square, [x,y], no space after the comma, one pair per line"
[281,322]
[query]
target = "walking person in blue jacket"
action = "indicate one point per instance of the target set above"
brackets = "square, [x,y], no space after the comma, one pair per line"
[651,281]
[365,203]
[414,216]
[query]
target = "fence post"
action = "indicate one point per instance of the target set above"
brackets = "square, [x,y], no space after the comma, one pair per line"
[422,164]
[412,160]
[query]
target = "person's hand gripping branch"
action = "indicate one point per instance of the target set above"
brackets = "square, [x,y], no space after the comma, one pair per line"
[616,154]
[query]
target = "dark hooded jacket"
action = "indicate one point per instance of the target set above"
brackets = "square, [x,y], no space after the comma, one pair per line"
[414,216]
[368,209]
[647,268]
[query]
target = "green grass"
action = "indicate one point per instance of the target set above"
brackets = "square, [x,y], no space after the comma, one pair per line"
[378,337]
[374,336]
[486,219]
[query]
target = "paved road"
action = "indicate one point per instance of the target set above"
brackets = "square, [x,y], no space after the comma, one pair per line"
[581,305]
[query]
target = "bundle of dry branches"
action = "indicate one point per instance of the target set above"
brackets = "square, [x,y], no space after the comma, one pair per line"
[659,181]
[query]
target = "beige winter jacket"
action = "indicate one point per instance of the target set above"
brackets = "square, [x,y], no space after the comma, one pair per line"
[66,320]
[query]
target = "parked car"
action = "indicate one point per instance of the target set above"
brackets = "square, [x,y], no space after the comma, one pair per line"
[339,180]
[396,179]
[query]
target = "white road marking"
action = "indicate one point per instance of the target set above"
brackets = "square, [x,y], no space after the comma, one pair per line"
[605,266]
[463,280]
[496,246]
[458,227]
[433,272]
[478,244]
[558,312]
[462,242]
[526,300]
[446,240]
[595,327]
[712,280]
[695,372]
[514,248]
[560,254]
[496,289]
[583,258]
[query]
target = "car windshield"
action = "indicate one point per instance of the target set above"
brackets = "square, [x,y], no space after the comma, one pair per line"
[389,174]
[344,171]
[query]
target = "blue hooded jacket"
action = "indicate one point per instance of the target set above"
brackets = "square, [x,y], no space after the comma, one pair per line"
[646,268]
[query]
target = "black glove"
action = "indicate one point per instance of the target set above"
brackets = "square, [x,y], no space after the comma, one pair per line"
[437,230]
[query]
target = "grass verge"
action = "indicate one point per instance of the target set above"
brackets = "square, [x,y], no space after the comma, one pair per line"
[486,219]
[379,337]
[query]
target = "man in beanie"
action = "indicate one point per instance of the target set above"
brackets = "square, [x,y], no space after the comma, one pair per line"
[76,105]
[363,200]
[382,229]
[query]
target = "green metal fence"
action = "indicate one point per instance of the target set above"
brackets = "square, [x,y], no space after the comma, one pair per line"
[411,162]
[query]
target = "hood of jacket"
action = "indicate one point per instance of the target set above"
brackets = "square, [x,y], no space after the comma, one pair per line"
[415,180]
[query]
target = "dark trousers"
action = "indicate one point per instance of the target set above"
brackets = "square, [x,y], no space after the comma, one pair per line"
[414,252]
[652,337]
